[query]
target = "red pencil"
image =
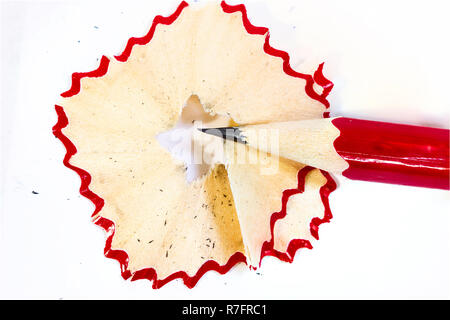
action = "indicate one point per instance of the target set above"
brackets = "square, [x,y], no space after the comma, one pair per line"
[357,149]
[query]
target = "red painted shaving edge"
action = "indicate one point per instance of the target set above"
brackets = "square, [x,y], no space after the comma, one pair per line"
[295,244]
[120,255]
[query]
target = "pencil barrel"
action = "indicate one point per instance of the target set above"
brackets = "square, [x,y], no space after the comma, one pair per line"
[394,153]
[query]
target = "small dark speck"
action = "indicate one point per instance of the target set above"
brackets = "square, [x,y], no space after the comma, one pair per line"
[78,41]
[95,27]
[138,240]
[161,190]
[34,192]
[195,217]
[167,254]
[165,222]
[150,241]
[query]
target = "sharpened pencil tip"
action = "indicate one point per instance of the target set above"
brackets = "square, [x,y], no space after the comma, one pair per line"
[229,133]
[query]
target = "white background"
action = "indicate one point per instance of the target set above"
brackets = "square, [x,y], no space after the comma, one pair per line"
[389,61]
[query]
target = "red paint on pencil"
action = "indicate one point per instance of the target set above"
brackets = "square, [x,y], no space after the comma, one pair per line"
[394,153]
